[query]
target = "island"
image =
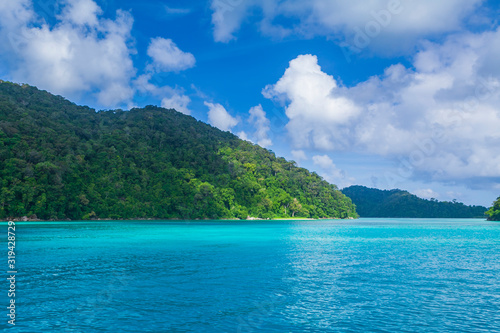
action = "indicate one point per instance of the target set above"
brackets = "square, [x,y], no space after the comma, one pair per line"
[371,202]
[61,161]
[494,212]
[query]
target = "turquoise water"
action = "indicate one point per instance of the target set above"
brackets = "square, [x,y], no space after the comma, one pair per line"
[367,275]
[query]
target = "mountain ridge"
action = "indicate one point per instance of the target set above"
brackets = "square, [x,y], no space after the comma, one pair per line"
[61,161]
[398,203]
[494,212]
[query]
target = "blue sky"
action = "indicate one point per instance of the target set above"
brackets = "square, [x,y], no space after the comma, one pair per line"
[382,93]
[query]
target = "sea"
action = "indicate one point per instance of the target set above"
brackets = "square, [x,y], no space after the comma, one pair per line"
[365,275]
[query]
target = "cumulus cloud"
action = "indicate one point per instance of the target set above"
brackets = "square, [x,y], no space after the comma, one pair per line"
[69,58]
[15,15]
[243,136]
[168,57]
[171,98]
[324,162]
[330,172]
[426,193]
[227,18]
[81,53]
[438,119]
[220,118]
[81,12]
[315,107]
[177,102]
[443,115]
[403,21]
[299,155]
[262,126]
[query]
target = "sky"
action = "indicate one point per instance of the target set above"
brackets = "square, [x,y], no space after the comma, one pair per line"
[381,93]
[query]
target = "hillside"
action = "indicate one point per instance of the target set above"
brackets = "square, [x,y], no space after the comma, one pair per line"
[63,161]
[494,212]
[372,202]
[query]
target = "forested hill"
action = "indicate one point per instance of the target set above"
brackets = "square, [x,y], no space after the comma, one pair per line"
[372,202]
[63,161]
[494,212]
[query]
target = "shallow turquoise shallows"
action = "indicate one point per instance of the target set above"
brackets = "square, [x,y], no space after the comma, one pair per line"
[367,275]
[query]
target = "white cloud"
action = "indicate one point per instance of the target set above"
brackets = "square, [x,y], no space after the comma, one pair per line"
[426,193]
[227,17]
[81,53]
[168,57]
[262,126]
[395,24]
[323,161]
[220,118]
[444,115]
[314,103]
[143,85]
[243,136]
[15,14]
[81,12]
[170,98]
[299,155]
[84,54]
[439,119]
[330,172]
[177,102]
[399,22]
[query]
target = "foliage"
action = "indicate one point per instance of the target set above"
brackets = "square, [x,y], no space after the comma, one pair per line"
[397,203]
[63,161]
[494,212]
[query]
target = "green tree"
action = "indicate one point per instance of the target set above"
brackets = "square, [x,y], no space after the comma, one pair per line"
[397,203]
[63,161]
[494,212]
[295,206]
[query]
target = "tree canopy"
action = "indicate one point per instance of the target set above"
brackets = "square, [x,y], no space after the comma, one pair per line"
[63,161]
[494,212]
[372,202]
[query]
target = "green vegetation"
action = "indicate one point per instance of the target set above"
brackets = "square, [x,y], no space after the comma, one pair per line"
[63,161]
[494,212]
[397,203]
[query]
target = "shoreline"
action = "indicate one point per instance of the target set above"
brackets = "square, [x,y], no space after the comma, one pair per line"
[26,219]
[250,219]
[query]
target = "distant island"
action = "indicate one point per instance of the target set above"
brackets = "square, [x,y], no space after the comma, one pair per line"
[494,212]
[60,161]
[372,202]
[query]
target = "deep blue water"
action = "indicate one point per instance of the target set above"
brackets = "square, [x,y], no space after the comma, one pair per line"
[367,275]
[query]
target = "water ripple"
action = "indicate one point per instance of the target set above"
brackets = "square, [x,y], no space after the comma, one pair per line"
[370,275]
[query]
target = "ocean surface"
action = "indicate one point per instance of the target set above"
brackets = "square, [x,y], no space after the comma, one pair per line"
[366,275]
